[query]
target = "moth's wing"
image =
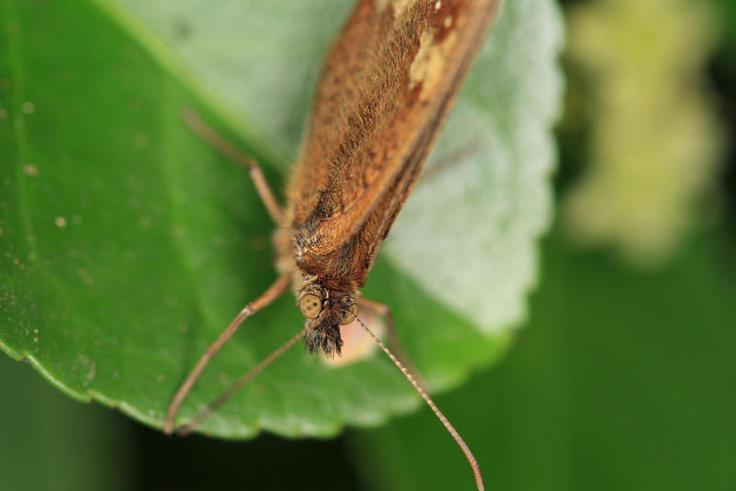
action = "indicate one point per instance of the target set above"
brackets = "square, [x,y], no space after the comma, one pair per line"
[386,86]
[346,267]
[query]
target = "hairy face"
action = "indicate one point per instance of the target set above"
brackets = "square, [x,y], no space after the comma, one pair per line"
[325,310]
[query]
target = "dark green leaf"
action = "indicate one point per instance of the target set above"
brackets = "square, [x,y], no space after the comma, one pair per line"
[127,244]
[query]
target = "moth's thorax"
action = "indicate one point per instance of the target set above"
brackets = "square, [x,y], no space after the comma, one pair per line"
[343,269]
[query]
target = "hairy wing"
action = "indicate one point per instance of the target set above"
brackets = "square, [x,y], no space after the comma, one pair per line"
[385,88]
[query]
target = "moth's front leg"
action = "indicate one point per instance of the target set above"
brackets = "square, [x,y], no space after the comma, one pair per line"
[213,139]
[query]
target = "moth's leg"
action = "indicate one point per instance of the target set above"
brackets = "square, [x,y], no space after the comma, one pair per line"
[384,311]
[273,292]
[213,139]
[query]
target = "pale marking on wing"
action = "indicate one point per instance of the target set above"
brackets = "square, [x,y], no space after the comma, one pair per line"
[430,60]
[400,6]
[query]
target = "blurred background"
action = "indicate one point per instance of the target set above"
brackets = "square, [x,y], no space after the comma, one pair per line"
[624,376]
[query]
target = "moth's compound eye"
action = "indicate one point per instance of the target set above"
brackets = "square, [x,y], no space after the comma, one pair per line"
[347,317]
[310,306]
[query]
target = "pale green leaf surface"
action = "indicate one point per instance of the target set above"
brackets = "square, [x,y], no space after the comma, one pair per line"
[127,244]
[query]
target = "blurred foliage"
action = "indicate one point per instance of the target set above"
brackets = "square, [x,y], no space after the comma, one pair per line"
[50,443]
[621,381]
[656,142]
[727,16]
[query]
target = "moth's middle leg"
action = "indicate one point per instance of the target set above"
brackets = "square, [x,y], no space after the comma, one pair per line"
[384,311]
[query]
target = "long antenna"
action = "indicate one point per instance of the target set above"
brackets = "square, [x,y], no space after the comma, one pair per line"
[443,419]
[239,384]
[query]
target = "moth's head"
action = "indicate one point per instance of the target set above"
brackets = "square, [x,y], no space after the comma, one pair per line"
[326,310]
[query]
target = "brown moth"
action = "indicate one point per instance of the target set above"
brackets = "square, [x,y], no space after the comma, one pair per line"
[385,91]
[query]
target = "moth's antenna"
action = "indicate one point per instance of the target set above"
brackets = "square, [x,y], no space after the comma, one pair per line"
[443,419]
[239,384]
[273,292]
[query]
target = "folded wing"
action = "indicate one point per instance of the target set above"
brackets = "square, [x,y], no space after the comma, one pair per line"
[385,90]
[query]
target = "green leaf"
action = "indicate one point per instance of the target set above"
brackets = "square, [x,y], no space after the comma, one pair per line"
[128,244]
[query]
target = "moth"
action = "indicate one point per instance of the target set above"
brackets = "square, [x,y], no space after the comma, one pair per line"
[385,90]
